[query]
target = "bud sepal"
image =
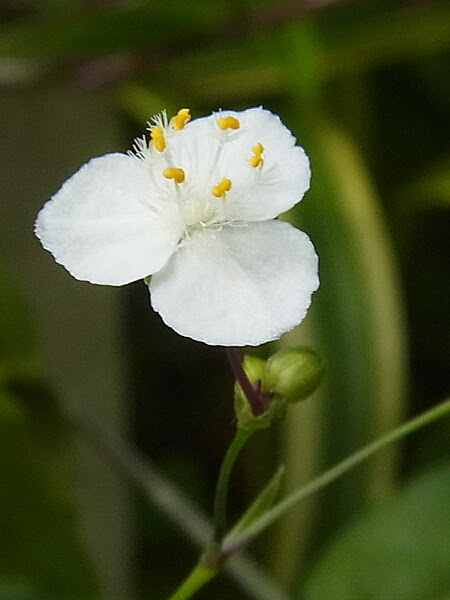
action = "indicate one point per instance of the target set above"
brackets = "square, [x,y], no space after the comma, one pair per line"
[290,375]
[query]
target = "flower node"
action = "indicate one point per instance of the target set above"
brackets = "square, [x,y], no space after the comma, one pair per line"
[223,186]
[158,139]
[228,123]
[180,119]
[175,173]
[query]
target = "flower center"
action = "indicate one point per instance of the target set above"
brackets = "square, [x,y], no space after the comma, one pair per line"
[198,209]
[198,214]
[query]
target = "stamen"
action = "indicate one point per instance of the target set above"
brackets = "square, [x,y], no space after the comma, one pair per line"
[258,149]
[158,139]
[256,160]
[180,119]
[228,123]
[175,173]
[223,186]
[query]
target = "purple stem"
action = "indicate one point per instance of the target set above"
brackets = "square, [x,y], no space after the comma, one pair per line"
[252,393]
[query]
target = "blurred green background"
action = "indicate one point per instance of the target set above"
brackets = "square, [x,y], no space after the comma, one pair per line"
[365,88]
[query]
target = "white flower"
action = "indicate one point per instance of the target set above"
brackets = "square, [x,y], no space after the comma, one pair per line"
[195,208]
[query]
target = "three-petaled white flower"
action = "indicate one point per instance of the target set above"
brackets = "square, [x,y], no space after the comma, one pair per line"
[195,208]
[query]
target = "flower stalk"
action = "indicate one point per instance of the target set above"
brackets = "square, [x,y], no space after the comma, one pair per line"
[196,579]
[220,500]
[252,392]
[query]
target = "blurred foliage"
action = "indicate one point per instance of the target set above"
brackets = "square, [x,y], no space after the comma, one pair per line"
[396,551]
[364,86]
[39,544]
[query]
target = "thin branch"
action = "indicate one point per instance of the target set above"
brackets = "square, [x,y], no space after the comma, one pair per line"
[235,541]
[170,501]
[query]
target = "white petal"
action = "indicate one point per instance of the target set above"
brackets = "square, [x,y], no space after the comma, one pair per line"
[257,194]
[238,286]
[107,225]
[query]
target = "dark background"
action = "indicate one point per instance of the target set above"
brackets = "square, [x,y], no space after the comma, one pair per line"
[364,86]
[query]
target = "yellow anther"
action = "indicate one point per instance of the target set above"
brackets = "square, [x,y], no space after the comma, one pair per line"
[174,173]
[180,119]
[158,139]
[228,123]
[258,149]
[256,160]
[223,186]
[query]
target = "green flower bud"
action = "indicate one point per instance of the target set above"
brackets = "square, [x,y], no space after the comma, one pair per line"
[255,369]
[292,374]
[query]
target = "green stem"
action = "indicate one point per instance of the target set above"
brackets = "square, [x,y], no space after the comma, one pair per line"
[194,581]
[212,559]
[252,393]
[234,541]
[171,501]
[220,501]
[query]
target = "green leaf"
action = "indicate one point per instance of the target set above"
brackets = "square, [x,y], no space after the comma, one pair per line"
[263,502]
[399,551]
[357,313]
[430,190]
[356,318]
